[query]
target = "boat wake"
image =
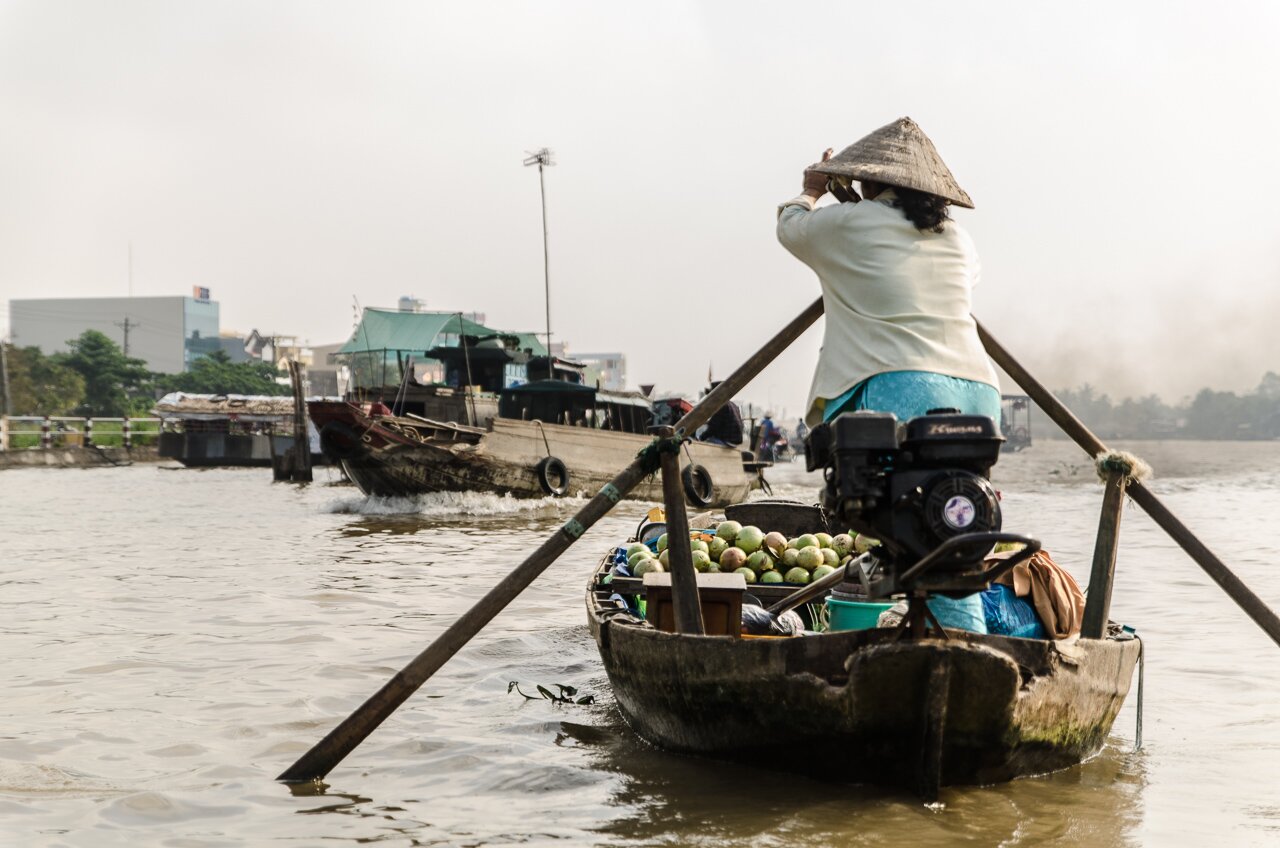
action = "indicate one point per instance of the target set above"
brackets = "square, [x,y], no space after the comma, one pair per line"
[448,504]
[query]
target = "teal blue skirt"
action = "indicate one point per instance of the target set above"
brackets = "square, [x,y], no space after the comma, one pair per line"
[908,394]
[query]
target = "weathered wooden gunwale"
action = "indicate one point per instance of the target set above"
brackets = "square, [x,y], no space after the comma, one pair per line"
[858,705]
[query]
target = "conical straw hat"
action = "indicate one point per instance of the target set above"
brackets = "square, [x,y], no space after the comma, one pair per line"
[897,154]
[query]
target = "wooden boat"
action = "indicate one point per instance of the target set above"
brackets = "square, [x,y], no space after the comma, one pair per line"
[203,431]
[1015,422]
[508,420]
[869,706]
[394,455]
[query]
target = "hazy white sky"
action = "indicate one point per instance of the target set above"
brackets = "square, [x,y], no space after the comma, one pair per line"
[1124,160]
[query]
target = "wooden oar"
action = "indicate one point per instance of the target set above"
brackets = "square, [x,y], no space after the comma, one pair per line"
[1073,427]
[343,739]
[808,593]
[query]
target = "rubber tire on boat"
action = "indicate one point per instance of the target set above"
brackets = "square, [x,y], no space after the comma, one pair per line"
[698,487]
[552,469]
[339,441]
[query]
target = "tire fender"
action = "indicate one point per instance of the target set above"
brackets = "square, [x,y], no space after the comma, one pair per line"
[553,476]
[698,487]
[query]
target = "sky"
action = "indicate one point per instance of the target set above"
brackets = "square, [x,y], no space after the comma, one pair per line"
[298,158]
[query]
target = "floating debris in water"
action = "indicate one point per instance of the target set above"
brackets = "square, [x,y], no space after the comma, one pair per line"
[566,695]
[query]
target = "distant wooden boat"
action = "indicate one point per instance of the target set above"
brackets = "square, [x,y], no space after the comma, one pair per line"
[864,705]
[1015,422]
[393,455]
[226,430]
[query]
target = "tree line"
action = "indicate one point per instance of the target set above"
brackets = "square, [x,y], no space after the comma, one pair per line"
[1208,415]
[95,378]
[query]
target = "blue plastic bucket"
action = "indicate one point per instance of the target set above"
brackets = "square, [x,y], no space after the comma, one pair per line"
[853,615]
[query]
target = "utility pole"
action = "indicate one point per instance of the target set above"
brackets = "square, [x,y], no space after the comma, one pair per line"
[542,158]
[126,324]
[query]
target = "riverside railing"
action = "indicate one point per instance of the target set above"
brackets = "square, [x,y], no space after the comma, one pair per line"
[43,432]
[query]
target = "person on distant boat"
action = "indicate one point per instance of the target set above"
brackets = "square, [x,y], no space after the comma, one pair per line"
[896,274]
[770,436]
[725,426]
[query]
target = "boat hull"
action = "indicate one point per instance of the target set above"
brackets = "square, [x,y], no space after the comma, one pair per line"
[208,450]
[864,707]
[399,457]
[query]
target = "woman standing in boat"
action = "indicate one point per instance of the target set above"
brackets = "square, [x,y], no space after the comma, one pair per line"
[896,276]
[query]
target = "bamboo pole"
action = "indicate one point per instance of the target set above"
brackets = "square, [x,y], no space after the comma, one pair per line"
[300,470]
[1097,608]
[1252,605]
[343,739]
[684,579]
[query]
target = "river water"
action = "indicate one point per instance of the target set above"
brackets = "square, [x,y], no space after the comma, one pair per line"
[170,640]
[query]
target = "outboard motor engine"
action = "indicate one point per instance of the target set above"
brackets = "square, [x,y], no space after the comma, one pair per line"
[922,488]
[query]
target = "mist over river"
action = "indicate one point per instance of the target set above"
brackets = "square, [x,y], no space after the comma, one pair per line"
[170,640]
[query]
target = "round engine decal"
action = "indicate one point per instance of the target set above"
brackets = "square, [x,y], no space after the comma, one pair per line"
[959,512]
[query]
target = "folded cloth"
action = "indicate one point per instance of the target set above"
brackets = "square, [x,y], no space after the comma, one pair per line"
[1054,592]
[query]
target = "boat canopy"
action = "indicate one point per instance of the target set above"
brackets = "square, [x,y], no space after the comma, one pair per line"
[381,347]
[391,330]
[487,362]
[408,332]
[557,368]
[563,402]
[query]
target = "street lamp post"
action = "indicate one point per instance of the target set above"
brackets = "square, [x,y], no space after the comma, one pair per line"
[542,158]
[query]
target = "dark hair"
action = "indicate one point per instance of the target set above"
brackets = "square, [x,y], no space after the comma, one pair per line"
[927,211]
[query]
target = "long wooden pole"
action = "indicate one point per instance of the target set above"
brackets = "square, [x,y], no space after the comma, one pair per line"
[1252,605]
[684,579]
[300,470]
[1097,608]
[343,739]
[808,593]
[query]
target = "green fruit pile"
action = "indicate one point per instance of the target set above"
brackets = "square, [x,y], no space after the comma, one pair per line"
[758,556]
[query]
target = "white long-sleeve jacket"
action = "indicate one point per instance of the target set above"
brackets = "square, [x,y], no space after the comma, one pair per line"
[896,298]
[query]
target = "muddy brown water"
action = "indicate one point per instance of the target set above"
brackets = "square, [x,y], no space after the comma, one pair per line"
[170,640]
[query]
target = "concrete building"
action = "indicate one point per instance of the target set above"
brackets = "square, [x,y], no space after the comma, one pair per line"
[167,333]
[326,375]
[233,345]
[277,349]
[610,367]
[409,303]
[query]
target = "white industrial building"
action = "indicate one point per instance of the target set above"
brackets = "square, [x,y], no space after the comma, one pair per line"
[167,333]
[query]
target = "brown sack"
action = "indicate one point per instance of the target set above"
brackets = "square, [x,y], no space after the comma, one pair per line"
[1054,592]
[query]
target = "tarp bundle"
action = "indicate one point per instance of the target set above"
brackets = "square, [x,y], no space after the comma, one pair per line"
[221,407]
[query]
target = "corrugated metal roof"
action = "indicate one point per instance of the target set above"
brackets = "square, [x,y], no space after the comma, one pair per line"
[417,332]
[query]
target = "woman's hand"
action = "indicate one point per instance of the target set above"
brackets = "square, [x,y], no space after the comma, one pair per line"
[815,183]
